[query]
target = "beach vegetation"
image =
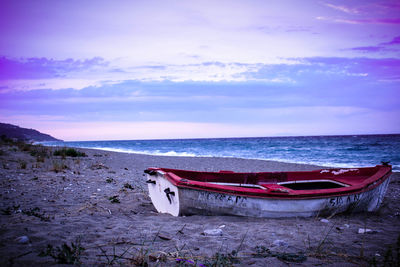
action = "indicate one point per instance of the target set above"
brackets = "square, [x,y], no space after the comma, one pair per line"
[225,259]
[22,164]
[40,152]
[114,257]
[263,252]
[65,254]
[109,180]
[222,259]
[320,250]
[128,186]
[10,210]
[142,257]
[99,166]
[323,240]
[36,213]
[24,146]
[114,199]
[5,139]
[69,152]
[39,159]
[59,166]
[392,255]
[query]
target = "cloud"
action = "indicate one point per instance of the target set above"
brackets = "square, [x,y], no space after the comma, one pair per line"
[368,48]
[343,8]
[42,73]
[395,41]
[385,46]
[312,81]
[39,68]
[322,93]
[392,21]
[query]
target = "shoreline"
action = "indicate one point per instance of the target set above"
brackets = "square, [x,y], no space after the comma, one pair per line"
[317,166]
[277,162]
[101,202]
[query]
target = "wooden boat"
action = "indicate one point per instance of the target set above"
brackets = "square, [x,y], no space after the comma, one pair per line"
[268,194]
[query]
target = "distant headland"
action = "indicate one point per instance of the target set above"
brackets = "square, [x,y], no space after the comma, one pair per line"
[24,134]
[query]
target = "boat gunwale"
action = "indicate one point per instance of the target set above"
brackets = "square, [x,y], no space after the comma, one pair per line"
[368,184]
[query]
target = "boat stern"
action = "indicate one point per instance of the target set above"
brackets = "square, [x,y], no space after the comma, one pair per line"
[164,195]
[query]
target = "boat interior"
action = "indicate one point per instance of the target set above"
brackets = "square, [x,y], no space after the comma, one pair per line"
[281,181]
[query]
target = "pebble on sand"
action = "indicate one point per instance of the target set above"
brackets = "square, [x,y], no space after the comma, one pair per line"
[22,239]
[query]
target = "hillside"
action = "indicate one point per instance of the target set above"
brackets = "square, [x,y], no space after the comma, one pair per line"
[25,134]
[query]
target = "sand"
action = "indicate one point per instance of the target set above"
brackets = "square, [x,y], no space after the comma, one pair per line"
[44,204]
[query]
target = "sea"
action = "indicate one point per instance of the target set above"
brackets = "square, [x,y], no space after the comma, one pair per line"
[332,151]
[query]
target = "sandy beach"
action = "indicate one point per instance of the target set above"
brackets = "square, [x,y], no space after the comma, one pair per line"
[99,203]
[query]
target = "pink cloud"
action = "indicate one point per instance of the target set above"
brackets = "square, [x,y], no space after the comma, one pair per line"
[343,8]
[37,68]
[368,48]
[371,21]
[395,41]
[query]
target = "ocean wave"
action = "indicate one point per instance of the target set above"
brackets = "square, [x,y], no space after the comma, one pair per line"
[341,154]
[145,152]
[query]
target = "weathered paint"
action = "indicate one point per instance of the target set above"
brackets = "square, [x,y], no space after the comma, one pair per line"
[159,197]
[192,201]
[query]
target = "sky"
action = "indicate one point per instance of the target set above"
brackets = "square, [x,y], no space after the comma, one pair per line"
[124,70]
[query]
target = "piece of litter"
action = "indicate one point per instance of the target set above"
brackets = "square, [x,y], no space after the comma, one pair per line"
[280,243]
[213,232]
[324,220]
[22,239]
[366,231]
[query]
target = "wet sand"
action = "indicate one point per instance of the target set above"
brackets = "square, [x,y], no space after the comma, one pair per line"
[101,202]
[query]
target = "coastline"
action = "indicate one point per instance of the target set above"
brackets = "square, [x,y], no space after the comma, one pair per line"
[328,151]
[50,204]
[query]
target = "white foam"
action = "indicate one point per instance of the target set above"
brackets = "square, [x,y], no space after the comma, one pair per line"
[146,152]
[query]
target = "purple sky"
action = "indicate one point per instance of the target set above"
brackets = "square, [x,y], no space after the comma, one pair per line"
[98,70]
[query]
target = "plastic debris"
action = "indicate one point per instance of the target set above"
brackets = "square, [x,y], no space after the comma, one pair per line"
[280,243]
[366,231]
[213,232]
[22,239]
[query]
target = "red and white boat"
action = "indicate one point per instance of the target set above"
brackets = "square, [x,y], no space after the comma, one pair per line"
[268,194]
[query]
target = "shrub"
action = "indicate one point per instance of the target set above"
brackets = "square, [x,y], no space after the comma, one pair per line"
[65,254]
[69,152]
[128,186]
[36,213]
[59,166]
[114,199]
[39,151]
[22,164]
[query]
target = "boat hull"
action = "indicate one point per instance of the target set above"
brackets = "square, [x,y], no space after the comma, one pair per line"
[188,201]
[212,203]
